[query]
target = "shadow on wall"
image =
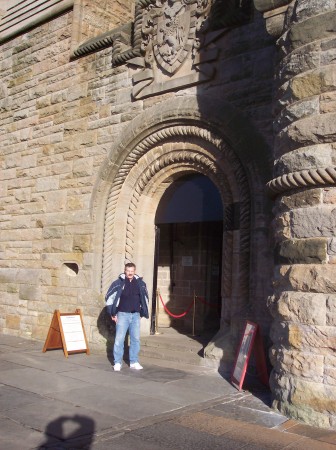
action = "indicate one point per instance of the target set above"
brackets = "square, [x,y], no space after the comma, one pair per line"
[241,89]
[106,328]
[77,430]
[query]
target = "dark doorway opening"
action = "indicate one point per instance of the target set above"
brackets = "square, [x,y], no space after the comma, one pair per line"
[188,257]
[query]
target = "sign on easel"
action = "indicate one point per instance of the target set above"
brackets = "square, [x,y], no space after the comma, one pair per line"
[251,339]
[67,332]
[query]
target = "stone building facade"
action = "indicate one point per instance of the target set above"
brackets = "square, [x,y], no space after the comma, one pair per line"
[106,106]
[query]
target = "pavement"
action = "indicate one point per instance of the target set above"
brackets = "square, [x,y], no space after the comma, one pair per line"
[48,401]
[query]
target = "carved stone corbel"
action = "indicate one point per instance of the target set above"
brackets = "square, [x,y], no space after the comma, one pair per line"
[274,13]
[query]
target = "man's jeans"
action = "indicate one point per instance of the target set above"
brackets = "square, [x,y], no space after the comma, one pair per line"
[127,321]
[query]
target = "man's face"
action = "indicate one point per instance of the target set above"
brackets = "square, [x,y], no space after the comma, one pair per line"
[129,272]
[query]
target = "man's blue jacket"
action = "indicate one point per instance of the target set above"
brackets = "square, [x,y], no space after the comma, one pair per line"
[114,292]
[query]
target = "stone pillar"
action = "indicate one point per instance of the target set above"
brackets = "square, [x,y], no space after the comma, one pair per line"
[303,355]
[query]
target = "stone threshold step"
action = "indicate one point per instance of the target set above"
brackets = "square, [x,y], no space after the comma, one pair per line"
[186,357]
[187,345]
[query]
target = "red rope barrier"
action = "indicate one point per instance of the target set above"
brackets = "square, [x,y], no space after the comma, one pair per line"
[202,300]
[179,316]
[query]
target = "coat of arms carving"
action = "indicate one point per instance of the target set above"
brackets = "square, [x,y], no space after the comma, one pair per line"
[172,36]
[170,42]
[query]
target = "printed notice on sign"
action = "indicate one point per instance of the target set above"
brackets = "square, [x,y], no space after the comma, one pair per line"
[243,351]
[73,332]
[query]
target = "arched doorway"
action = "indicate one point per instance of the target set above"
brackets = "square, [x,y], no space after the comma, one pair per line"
[166,142]
[149,170]
[189,234]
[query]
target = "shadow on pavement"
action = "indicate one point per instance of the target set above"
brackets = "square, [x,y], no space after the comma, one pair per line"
[68,429]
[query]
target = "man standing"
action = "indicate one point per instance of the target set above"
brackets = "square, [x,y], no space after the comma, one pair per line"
[126,302]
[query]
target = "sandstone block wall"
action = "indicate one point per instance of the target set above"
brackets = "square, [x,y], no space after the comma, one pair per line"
[59,119]
[303,306]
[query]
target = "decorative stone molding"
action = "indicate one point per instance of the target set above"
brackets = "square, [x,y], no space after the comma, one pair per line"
[120,36]
[303,178]
[209,162]
[148,143]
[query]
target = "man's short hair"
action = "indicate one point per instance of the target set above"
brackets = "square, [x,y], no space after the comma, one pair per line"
[130,265]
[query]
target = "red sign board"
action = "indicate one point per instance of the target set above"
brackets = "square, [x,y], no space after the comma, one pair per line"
[251,340]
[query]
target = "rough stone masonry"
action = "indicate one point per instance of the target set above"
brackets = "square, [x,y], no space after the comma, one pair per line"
[105,104]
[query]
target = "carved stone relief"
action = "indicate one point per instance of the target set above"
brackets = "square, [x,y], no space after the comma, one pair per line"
[174,50]
[152,163]
[321,176]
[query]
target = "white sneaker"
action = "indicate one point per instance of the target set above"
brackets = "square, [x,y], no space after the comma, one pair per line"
[136,366]
[117,367]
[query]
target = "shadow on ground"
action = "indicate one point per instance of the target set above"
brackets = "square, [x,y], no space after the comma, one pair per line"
[76,430]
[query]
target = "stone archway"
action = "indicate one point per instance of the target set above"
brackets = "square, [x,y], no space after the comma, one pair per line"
[147,172]
[166,142]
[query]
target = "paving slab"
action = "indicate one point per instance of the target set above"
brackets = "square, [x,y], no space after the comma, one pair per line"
[61,420]
[310,444]
[212,384]
[240,432]
[143,384]
[253,434]
[95,361]
[127,442]
[38,362]
[180,395]
[122,404]
[156,373]
[165,363]
[100,377]
[39,381]
[19,343]
[8,365]
[14,436]
[257,400]
[11,398]
[5,348]
[178,438]
[236,411]
[49,401]
[250,408]
[314,433]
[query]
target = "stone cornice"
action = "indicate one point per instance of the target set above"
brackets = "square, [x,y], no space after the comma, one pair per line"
[121,35]
[303,178]
[125,40]
[27,15]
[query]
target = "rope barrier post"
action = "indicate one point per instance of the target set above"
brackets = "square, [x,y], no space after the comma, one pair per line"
[157,312]
[193,320]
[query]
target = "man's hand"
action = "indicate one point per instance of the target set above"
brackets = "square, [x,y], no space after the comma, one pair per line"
[114,318]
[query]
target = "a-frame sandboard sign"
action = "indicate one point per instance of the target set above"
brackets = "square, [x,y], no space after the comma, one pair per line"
[251,339]
[66,331]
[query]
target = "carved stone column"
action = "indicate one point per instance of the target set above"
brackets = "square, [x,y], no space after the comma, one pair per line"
[303,380]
